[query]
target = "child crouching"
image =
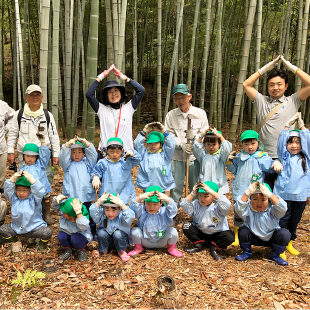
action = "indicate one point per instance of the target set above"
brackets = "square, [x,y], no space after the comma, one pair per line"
[114,224]
[74,229]
[209,226]
[154,219]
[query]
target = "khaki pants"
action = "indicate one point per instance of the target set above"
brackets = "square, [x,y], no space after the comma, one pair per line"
[3,159]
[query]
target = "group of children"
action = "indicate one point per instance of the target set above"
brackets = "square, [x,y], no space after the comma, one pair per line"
[262,217]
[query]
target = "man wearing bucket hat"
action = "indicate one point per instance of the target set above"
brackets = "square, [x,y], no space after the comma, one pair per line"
[115,115]
[27,122]
[155,166]
[184,123]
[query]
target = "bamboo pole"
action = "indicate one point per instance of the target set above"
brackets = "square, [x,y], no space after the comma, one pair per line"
[159,25]
[110,53]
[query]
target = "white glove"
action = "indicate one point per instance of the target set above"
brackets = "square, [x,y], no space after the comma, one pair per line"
[187,148]
[277,166]
[60,198]
[29,177]
[264,190]
[83,141]
[77,206]
[270,65]
[288,66]
[105,73]
[70,142]
[196,188]
[16,176]
[162,196]
[119,74]
[214,131]
[292,121]
[116,200]
[41,137]
[189,134]
[129,154]
[103,198]
[231,156]
[203,133]
[300,122]
[251,189]
[96,183]
[146,195]
[206,188]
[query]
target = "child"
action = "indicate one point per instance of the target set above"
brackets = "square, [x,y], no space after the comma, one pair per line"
[209,226]
[74,230]
[155,165]
[212,150]
[25,195]
[293,149]
[248,162]
[261,228]
[114,222]
[114,171]
[77,158]
[154,221]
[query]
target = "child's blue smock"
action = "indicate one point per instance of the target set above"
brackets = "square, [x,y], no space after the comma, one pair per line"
[26,214]
[244,166]
[150,224]
[212,166]
[292,183]
[262,224]
[116,176]
[153,165]
[211,219]
[122,222]
[81,225]
[77,180]
[37,170]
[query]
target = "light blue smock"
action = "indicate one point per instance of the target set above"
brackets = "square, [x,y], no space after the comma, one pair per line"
[292,183]
[262,224]
[153,166]
[37,170]
[122,222]
[26,214]
[81,225]
[77,180]
[116,177]
[211,219]
[244,166]
[212,166]
[150,224]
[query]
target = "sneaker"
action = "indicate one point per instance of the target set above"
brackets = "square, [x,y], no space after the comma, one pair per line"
[82,255]
[66,254]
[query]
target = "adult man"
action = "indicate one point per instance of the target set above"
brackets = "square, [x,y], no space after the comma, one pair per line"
[277,83]
[25,125]
[176,123]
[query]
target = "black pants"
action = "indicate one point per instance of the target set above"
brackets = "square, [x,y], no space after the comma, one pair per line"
[92,224]
[293,216]
[280,237]
[270,178]
[222,239]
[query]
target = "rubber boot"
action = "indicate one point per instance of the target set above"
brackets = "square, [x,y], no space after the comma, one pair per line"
[213,252]
[42,246]
[124,256]
[93,231]
[283,255]
[275,254]
[46,212]
[291,249]
[137,250]
[247,251]
[66,254]
[82,255]
[197,247]
[236,242]
[172,250]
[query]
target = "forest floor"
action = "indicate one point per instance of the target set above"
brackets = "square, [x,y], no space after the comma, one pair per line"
[201,282]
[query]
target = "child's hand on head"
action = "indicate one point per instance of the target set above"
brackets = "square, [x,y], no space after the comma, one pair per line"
[60,198]
[83,141]
[146,195]
[16,176]
[204,132]
[77,206]
[70,142]
[162,197]
[206,188]
[292,121]
[300,122]
[251,189]
[29,176]
[116,200]
[196,188]
[264,190]
[103,198]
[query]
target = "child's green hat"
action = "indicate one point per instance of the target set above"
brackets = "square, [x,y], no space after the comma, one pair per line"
[77,145]
[66,207]
[31,149]
[295,133]
[153,198]
[210,132]
[22,181]
[108,202]
[212,185]
[249,134]
[258,190]
[155,136]
[115,140]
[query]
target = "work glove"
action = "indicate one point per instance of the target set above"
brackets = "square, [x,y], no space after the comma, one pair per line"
[292,121]
[129,153]
[214,131]
[105,73]
[146,195]
[96,183]
[77,206]
[277,166]
[300,122]
[156,126]
[264,190]
[116,200]
[16,176]
[41,137]
[196,188]
[83,141]
[119,74]
[231,156]
[270,65]
[288,66]
[103,198]
[206,188]
[189,134]
[203,133]
[251,189]
[162,196]
[29,176]
[187,148]
[70,142]
[60,198]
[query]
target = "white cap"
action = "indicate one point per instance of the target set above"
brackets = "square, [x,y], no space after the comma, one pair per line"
[32,88]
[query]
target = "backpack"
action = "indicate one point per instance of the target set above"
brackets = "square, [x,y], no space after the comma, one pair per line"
[20,114]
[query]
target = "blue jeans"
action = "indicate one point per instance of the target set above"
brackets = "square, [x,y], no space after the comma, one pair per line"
[118,240]
[78,241]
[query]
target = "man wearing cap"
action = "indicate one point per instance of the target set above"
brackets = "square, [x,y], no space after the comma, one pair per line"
[176,123]
[25,125]
[275,110]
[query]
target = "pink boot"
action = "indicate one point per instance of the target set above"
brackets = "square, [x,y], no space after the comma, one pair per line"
[124,256]
[137,250]
[171,249]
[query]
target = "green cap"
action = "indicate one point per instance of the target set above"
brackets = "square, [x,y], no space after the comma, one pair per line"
[258,190]
[180,88]
[22,181]
[31,149]
[78,145]
[109,202]
[212,185]
[210,132]
[153,189]
[155,136]
[295,133]
[67,208]
[249,134]
[115,140]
